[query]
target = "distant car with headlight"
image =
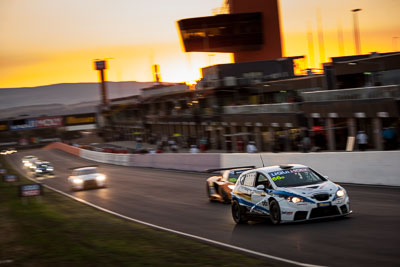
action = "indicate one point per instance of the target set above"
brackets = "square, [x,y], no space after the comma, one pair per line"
[8,151]
[42,168]
[86,177]
[287,193]
[28,161]
[219,186]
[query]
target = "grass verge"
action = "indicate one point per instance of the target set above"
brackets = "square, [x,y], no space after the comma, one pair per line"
[55,230]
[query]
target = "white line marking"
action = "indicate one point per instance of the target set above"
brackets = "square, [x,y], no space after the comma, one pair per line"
[182,233]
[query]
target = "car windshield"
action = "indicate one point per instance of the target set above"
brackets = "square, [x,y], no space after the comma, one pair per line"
[296,177]
[87,171]
[44,165]
[234,175]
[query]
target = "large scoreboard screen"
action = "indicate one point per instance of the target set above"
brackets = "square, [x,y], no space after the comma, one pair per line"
[222,33]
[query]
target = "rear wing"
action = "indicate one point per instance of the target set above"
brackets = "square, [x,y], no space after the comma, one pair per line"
[231,168]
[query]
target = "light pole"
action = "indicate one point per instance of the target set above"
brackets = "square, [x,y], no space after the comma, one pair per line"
[356,30]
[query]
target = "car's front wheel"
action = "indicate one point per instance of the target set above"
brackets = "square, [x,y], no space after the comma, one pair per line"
[274,212]
[238,213]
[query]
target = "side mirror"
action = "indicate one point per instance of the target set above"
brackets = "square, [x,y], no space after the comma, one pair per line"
[260,187]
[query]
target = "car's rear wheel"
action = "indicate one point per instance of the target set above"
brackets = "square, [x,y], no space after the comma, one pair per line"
[274,212]
[208,192]
[238,213]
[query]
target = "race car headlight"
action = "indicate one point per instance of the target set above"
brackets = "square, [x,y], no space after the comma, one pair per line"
[295,199]
[101,178]
[27,164]
[340,193]
[37,170]
[50,169]
[77,181]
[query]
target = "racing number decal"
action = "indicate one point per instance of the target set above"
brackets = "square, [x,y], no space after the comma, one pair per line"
[276,178]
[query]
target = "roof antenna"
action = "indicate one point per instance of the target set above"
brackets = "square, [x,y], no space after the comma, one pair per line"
[262,161]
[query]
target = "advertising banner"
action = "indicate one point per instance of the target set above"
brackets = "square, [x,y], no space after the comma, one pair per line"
[80,119]
[49,122]
[22,125]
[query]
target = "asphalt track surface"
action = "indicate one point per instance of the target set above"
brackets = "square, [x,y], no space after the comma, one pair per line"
[177,200]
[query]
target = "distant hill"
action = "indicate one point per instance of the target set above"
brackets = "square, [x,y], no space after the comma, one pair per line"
[66,93]
[47,110]
[60,99]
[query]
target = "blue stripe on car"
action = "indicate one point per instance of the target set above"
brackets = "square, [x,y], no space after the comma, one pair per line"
[288,194]
[250,205]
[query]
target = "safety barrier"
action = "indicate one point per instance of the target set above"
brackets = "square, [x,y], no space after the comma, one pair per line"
[181,161]
[369,167]
[64,147]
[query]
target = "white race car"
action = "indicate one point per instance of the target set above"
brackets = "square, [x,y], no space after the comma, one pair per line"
[287,193]
[28,161]
[86,177]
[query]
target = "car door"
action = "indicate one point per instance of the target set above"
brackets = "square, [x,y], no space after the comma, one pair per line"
[259,197]
[246,187]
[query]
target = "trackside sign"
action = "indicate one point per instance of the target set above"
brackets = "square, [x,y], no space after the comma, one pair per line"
[30,190]
[8,178]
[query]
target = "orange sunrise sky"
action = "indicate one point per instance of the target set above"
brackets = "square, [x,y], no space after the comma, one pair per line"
[55,41]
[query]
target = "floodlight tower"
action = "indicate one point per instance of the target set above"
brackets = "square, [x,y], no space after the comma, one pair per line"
[356,30]
[101,66]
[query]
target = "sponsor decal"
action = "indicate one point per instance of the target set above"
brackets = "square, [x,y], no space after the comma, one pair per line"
[49,122]
[287,212]
[299,170]
[273,174]
[278,174]
[325,204]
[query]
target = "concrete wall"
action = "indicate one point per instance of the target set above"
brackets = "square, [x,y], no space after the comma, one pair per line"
[181,161]
[373,167]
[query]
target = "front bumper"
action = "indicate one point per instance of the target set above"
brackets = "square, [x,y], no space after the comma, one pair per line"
[303,211]
[86,184]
